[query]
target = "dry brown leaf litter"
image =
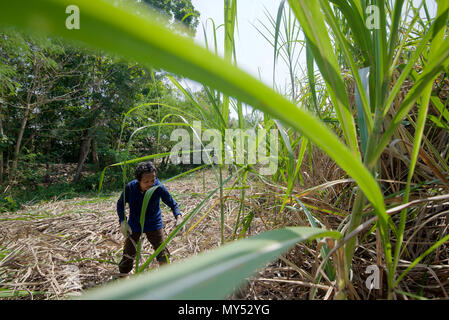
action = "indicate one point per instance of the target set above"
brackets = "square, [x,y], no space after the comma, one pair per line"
[59,249]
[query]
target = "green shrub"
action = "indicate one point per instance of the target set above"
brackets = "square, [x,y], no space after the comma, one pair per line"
[7,204]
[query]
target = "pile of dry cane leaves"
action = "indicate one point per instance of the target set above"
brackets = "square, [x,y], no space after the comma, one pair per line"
[59,249]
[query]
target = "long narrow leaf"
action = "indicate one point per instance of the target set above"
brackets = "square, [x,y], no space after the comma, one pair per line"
[214,274]
[312,21]
[143,213]
[178,228]
[121,30]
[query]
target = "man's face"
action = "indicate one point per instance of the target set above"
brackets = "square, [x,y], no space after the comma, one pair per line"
[147,181]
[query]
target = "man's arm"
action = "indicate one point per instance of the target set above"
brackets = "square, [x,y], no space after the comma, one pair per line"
[121,205]
[170,202]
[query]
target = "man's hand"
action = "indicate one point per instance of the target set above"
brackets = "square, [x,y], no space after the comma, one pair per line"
[125,229]
[178,222]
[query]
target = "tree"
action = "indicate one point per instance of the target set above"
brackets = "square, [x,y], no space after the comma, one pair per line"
[37,73]
[179,10]
[62,103]
[9,43]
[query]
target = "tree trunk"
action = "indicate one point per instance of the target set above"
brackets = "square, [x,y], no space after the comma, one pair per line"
[15,158]
[1,167]
[84,151]
[1,150]
[95,159]
[90,133]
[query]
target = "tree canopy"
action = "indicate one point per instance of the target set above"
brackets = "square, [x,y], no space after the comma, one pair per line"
[60,103]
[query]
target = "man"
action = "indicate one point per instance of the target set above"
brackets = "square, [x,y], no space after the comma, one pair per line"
[153,225]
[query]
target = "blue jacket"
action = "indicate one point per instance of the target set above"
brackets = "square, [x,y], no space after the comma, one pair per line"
[134,198]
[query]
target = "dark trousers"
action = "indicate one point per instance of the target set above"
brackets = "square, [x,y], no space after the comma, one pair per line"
[156,238]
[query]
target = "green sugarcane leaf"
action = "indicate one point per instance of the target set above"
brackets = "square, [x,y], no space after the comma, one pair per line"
[214,274]
[143,213]
[135,160]
[354,13]
[419,131]
[276,37]
[440,107]
[362,120]
[178,228]
[189,95]
[314,222]
[394,34]
[312,22]
[422,256]
[311,76]
[438,64]
[121,30]
[363,108]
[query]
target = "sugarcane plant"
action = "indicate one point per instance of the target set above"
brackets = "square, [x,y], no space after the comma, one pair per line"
[123,30]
